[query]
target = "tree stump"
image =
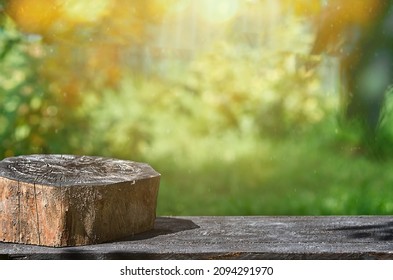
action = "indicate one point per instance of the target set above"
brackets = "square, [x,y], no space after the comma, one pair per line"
[66,200]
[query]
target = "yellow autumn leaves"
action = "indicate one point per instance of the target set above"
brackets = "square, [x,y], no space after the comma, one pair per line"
[83,40]
[54,17]
[63,20]
[356,11]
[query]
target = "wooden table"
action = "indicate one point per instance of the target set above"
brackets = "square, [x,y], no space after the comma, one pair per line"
[331,237]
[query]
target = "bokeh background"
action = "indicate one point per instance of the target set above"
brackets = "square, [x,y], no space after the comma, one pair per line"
[223,98]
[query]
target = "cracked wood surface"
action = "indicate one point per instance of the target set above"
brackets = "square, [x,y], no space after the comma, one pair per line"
[330,237]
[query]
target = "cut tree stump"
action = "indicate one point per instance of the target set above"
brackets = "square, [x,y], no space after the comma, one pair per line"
[66,200]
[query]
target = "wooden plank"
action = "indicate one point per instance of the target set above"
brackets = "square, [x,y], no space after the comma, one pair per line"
[369,237]
[65,200]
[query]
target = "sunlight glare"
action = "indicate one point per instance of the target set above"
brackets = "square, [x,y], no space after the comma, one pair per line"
[85,11]
[219,11]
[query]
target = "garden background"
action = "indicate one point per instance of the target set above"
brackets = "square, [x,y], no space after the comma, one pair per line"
[218,96]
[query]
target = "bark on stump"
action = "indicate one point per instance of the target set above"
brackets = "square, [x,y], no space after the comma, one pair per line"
[66,200]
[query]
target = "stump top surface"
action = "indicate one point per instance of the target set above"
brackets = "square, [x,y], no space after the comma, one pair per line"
[72,170]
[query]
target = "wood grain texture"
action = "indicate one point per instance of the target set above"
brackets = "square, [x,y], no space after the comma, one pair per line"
[368,237]
[65,200]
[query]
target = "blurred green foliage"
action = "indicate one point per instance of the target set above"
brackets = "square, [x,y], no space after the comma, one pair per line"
[31,120]
[287,98]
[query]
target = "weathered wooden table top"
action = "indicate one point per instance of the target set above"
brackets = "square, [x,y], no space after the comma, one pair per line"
[330,237]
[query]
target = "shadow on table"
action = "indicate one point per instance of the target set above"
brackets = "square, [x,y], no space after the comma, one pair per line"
[164,226]
[104,251]
[377,232]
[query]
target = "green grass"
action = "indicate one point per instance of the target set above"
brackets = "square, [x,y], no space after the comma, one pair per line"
[301,175]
